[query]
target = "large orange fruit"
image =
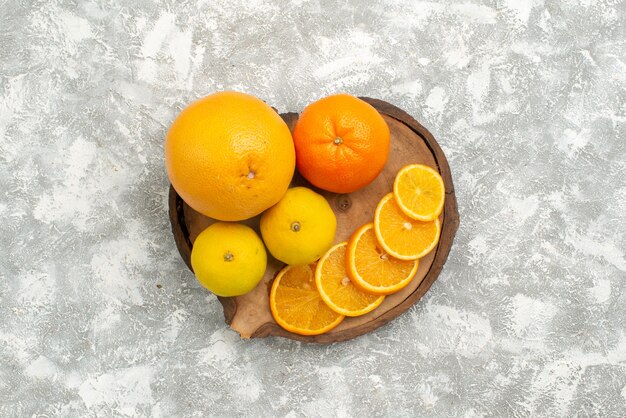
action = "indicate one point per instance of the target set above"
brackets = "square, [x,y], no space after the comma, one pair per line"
[230,156]
[342,143]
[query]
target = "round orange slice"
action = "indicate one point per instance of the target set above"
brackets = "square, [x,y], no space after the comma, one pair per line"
[372,269]
[419,192]
[296,304]
[403,237]
[336,289]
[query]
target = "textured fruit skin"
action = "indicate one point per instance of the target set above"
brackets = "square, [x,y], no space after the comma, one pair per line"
[226,275]
[230,156]
[317,227]
[357,160]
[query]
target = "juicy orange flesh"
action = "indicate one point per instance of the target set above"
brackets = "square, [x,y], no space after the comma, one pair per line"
[420,190]
[404,235]
[298,302]
[375,266]
[339,288]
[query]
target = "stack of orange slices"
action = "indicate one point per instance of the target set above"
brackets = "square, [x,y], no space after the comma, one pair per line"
[379,259]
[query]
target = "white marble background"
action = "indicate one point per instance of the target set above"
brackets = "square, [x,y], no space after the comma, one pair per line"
[528,100]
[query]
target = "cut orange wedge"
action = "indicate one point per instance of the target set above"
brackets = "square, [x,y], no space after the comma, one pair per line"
[419,192]
[372,269]
[296,304]
[401,236]
[335,286]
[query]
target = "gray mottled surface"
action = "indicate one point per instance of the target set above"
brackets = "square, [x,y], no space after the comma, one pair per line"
[528,100]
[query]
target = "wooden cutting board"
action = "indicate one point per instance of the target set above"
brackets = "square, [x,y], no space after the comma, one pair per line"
[411,143]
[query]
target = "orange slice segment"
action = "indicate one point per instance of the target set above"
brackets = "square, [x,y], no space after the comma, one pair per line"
[401,236]
[419,192]
[372,269]
[296,304]
[337,290]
